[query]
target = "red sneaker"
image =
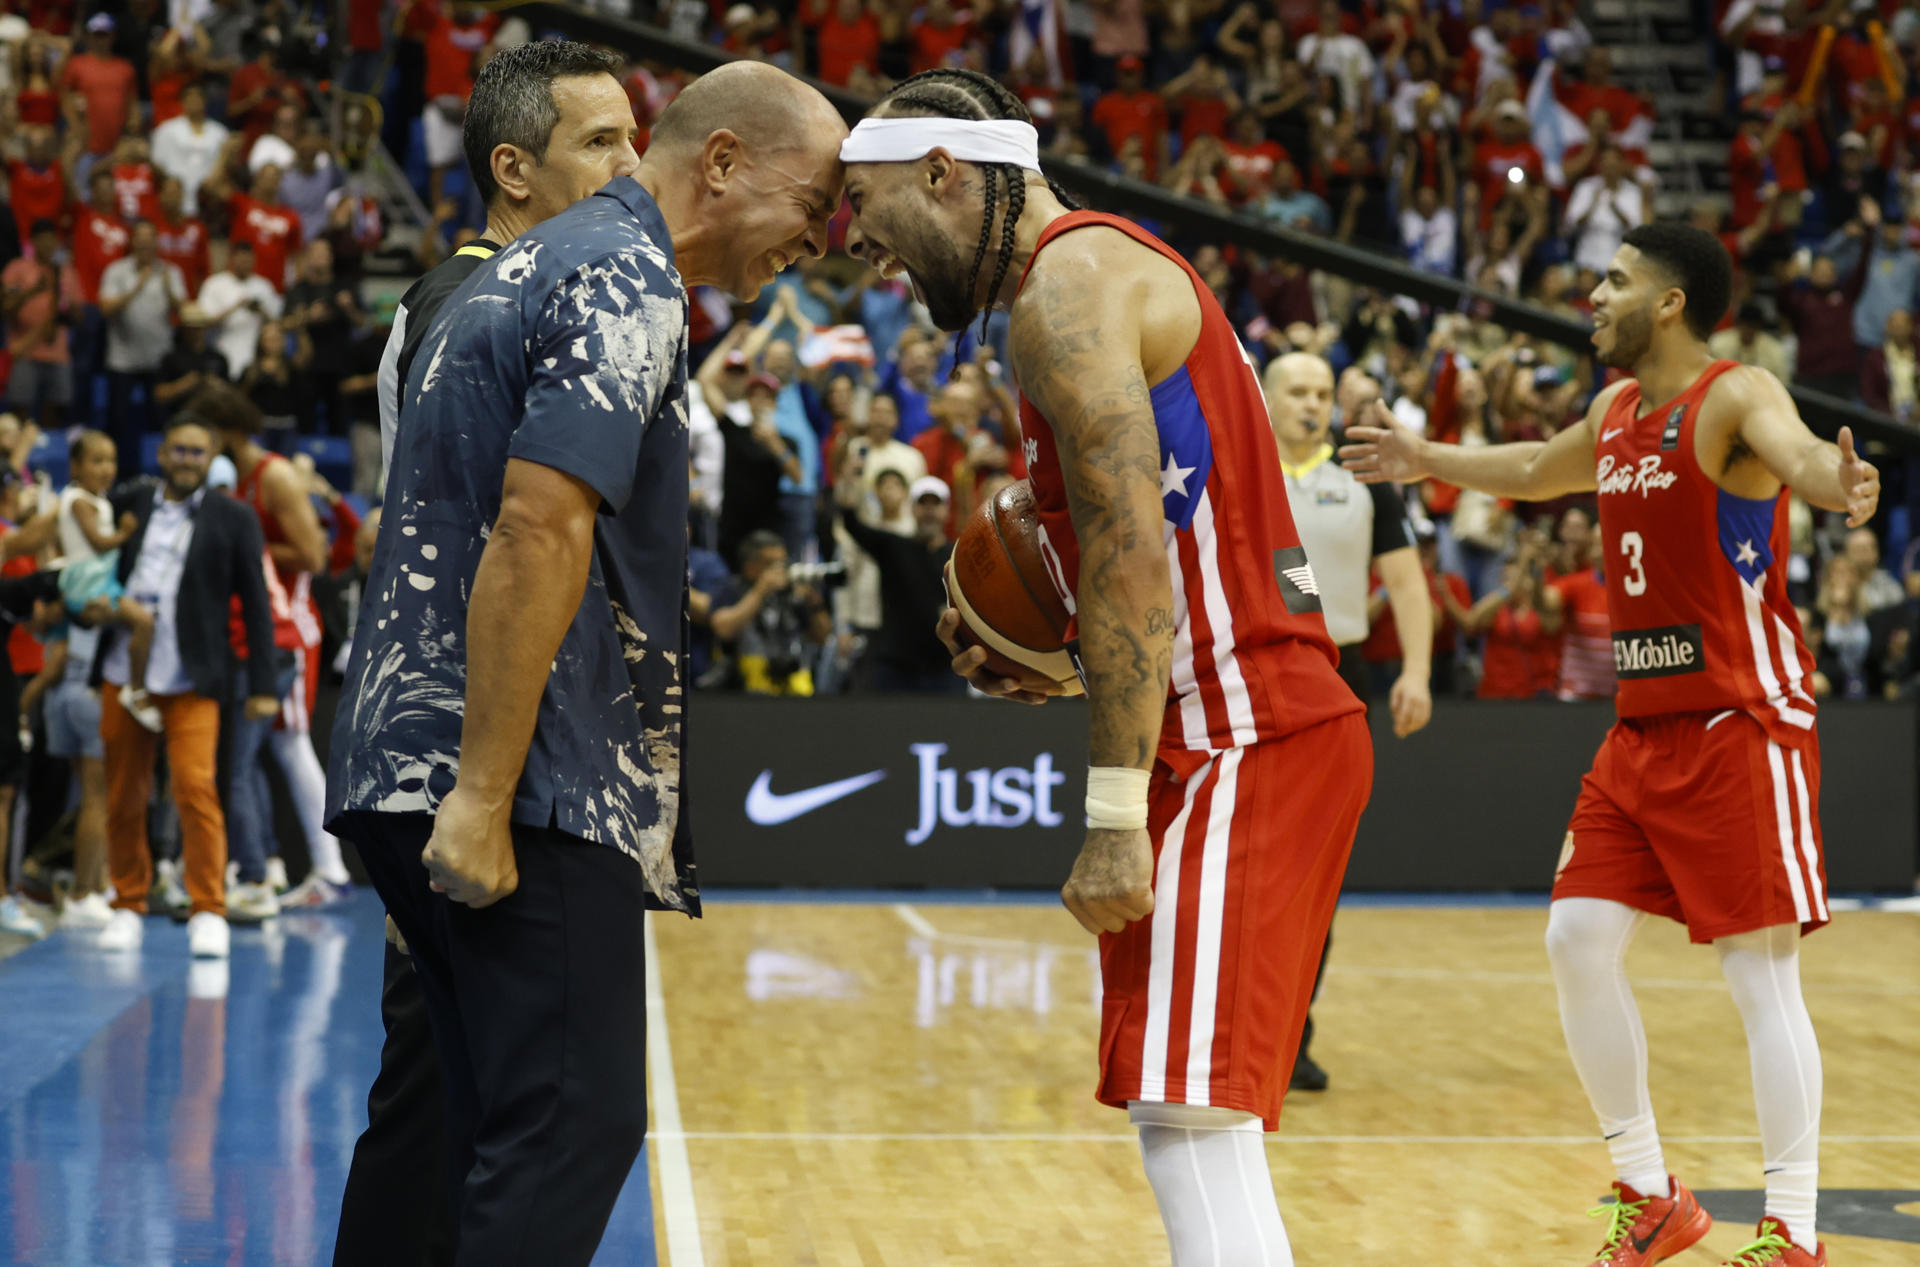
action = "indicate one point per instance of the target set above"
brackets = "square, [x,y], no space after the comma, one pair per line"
[1645,1230]
[1774,1246]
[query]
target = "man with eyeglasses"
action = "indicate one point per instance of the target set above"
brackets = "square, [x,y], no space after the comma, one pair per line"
[189,558]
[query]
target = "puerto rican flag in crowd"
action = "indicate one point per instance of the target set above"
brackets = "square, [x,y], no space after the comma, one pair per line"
[1558,128]
[1037,24]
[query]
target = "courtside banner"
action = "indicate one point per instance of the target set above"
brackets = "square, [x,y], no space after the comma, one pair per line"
[902,792]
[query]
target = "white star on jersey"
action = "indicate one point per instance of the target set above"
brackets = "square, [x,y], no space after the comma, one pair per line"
[1174,478]
[1032,448]
[1747,556]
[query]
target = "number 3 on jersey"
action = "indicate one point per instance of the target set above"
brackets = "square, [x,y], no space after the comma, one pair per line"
[1635,581]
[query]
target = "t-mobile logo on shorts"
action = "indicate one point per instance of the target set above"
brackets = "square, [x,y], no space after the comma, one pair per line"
[1658,652]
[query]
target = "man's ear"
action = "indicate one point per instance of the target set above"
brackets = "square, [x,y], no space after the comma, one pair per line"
[1674,303]
[511,168]
[941,171]
[721,158]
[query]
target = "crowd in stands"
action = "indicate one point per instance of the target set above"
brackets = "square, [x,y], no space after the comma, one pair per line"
[1489,142]
[184,209]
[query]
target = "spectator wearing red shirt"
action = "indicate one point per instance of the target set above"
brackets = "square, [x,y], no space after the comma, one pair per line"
[183,238]
[40,295]
[1519,654]
[136,186]
[37,184]
[1251,159]
[956,443]
[1875,119]
[453,52]
[172,68]
[939,35]
[1579,601]
[271,229]
[1452,600]
[258,89]
[366,37]
[1204,96]
[1511,147]
[1631,114]
[108,85]
[849,38]
[1132,109]
[100,236]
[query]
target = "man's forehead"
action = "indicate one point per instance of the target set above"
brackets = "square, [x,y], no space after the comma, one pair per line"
[1628,260]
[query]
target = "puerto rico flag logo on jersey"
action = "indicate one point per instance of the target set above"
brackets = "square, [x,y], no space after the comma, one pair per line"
[1186,448]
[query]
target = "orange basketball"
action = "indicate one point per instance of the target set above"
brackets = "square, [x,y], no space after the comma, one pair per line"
[998,583]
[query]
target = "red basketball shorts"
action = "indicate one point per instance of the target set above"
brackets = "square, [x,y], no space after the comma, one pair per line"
[1204,1000]
[296,710]
[1703,819]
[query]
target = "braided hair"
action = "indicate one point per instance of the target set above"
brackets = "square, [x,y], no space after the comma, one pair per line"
[947,93]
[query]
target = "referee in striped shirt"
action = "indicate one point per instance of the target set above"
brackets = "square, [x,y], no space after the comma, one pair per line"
[548,124]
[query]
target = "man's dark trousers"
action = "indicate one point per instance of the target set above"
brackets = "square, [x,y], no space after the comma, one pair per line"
[538,1010]
[396,1205]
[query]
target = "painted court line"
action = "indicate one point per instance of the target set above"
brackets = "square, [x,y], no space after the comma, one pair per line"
[1711,985]
[676,1176]
[1108,1137]
[914,919]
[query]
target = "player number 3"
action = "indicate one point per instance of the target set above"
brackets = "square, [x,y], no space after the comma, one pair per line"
[1635,580]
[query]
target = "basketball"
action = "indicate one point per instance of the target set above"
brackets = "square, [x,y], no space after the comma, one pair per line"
[997,581]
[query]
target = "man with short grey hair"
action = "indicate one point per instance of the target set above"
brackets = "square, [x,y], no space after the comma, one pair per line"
[508,752]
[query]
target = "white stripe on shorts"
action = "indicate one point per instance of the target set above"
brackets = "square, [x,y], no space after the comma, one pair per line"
[1212,905]
[1162,946]
[1808,850]
[1783,820]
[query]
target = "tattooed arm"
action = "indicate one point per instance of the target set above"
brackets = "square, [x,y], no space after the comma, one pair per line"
[1076,350]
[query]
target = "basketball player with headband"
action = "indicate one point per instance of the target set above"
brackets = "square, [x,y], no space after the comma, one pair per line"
[1229,761]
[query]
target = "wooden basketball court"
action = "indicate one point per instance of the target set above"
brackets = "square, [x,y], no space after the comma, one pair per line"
[879,1083]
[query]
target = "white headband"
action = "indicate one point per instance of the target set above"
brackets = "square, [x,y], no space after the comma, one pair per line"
[974,140]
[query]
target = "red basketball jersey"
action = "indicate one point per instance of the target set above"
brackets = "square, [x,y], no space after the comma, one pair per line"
[1696,577]
[298,583]
[1251,657]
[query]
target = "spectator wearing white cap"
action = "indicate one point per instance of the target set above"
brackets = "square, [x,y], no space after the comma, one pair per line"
[905,654]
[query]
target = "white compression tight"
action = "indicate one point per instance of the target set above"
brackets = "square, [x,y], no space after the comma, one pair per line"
[1208,1168]
[1587,940]
[1763,969]
[307,786]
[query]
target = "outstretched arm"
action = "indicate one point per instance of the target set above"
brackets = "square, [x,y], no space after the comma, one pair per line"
[1830,476]
[1385,449]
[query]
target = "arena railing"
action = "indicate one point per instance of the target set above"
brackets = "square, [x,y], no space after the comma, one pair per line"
[1825,414]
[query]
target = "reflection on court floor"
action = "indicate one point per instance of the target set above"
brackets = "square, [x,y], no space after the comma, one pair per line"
[910,1083]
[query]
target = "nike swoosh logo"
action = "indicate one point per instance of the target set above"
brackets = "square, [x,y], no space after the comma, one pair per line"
[1608,435]
[768,808]
[1640,1243]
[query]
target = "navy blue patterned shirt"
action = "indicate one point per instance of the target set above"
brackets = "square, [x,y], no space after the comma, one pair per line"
[569,349]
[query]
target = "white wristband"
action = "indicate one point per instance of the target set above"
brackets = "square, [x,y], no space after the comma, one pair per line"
[1116,798]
